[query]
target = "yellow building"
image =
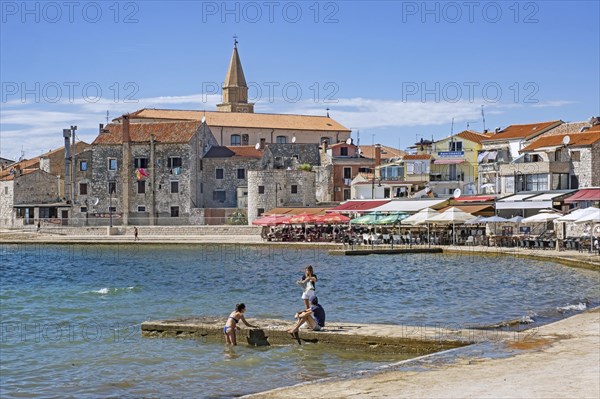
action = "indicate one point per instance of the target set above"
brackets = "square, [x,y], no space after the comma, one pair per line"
[454,163]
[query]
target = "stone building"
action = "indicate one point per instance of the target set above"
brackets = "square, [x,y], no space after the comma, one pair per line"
[268,189]
[28,195]
[178,167]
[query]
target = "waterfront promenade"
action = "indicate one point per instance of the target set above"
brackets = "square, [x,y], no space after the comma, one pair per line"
[559,361]
[247,235]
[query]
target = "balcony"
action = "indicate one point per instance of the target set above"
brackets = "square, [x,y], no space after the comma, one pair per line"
[446,177]
[528,168]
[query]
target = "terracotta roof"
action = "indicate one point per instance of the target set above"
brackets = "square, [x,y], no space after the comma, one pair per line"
[12,177]
[25,165]
[595,128]
[474,136]
[524,131]
[368,151]
[576,140]
[238,119]
[245,151]
[416,157]
[164,132]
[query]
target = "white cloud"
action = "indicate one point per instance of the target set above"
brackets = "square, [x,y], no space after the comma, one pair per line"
[24,125]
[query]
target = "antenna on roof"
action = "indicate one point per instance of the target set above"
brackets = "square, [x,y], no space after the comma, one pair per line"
[327,109]
[483,118]
[107,113]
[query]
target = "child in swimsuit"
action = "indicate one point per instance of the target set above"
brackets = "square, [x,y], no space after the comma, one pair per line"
[232,321]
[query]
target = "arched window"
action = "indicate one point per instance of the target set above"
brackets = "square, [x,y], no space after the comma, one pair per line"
[236,139]
[281,139]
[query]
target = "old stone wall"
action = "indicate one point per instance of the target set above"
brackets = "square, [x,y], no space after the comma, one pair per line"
[6,203]
[270,189]
[230,181]
[584,168]
[324,183]
[38,187]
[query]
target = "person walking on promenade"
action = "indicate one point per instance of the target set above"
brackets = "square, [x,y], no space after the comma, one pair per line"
[135,233]
[234,318]
[308,283]
[39,226]
[313,316]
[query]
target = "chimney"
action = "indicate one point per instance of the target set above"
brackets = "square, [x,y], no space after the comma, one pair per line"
[126,137]
[324,146]
[377,154]
[262,144]
[100,127]
[497,130]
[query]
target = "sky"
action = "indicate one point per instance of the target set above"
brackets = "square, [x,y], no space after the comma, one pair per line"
[391,71]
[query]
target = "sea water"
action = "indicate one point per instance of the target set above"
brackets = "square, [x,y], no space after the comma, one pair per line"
[71,314]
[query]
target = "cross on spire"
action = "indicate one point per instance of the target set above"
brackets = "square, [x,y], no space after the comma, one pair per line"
[235,42]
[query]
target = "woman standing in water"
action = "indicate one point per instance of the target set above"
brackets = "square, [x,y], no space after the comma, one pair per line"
[234,318]
[308,283]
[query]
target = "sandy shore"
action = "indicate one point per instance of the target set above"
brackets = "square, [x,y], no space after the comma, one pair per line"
[562,360]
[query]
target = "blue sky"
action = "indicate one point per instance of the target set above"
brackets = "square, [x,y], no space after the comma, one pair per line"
[394,70]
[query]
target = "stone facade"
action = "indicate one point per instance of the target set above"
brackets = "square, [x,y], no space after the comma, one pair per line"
[270,189]
[23,196]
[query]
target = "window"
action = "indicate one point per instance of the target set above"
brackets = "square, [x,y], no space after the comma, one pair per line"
[83,188]
[260,211]
[141,187]
[82,166]
[83,209]
[560,181]
[347,173]
[112,187]
[344,151]
[140,163]
[364,170]
[174,187]
[174,162]
[236,139]
[261,189]
[294,189]
[112,209]
[141,208]
[455,146]
[174,211]
[386,192]
[219,173]
[112,164]
[281,139]
[241,173]
[219,196]
[537,182]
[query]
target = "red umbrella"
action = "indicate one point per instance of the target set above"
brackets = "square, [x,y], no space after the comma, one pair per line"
[272,220]
[333,218]
[302,218]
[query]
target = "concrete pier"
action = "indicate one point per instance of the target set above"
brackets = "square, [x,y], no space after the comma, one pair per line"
[378,338]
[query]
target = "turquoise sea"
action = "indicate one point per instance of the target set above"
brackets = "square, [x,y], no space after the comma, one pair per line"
[71,314]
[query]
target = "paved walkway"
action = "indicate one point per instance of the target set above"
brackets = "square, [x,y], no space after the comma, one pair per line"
[560,361]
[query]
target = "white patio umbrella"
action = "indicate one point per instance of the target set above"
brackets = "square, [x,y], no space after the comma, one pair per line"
[475,220]
[541,217]
[578,214]
[494,220]
[420,217]
[451,216]
[591,218]
[515,219]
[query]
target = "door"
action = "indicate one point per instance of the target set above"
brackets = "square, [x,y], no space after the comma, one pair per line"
[65,218]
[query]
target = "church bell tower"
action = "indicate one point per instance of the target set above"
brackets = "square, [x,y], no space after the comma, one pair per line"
[235,89]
